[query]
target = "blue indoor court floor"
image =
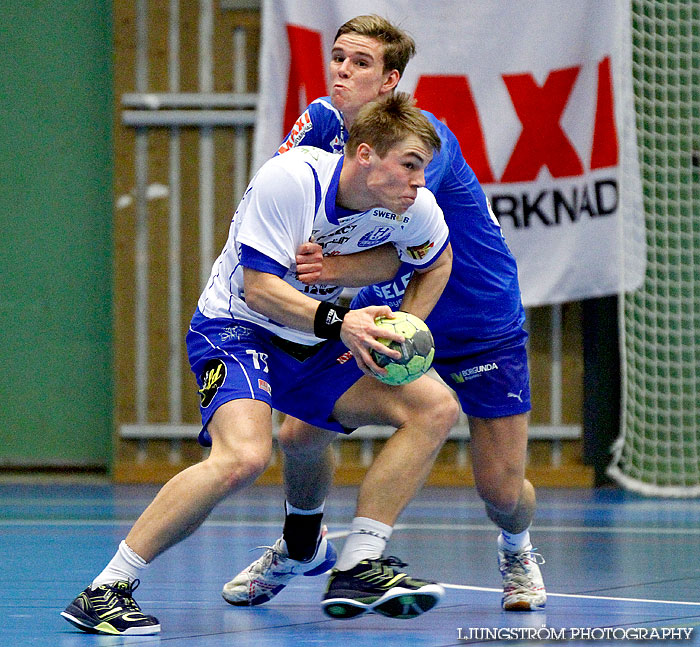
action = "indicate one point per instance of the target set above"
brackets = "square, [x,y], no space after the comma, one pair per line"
[616,564]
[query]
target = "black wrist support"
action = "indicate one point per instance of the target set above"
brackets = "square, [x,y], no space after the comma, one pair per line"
[328,320]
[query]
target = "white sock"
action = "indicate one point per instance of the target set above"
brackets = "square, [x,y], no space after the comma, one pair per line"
[125,565]
[514,543]
[290,509]
[367,540]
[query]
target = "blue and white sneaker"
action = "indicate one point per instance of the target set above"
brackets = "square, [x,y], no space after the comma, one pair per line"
[269,574]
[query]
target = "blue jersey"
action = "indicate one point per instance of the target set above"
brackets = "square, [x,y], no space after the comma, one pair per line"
[481,305]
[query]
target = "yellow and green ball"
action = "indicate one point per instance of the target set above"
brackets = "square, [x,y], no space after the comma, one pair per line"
[417,350]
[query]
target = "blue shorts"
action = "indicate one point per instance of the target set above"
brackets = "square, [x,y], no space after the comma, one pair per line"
[489,376]
[490,384]
[232,361]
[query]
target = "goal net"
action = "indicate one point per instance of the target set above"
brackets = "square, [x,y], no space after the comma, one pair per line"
[658,451]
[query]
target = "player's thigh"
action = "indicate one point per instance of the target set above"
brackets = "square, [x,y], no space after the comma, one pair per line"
[370,401]
[241,430]
[498,447]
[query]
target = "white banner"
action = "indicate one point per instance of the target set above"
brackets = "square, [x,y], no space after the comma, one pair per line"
[536,92]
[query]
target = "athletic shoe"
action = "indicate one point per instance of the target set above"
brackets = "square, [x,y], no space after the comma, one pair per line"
[269,574]
[523,588]
[110,609]
[378,586]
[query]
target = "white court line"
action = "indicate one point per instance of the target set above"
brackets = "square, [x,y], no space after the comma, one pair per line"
[636,530]
[465,587]
[665,506]
[343,533]
[129,522]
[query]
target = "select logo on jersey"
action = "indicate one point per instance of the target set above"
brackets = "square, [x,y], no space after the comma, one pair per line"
[384,215]
[472,372]
[213,376]
[302,126]
[420,251]
[338,236]
[264,386]
[375,237]
[391,294]
[347,355]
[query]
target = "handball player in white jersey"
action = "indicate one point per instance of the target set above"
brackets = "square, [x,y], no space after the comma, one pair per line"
[261,339]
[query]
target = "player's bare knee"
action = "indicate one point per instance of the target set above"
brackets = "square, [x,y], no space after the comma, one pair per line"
[443,414]
[435,417]
[503,495]
[241,467]
[297,438]
[247,468]
[502,503]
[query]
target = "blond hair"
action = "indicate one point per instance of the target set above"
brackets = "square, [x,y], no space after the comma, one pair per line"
[398,46]
[385,122]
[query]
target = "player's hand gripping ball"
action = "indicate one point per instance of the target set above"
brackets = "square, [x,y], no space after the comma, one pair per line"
[417,350]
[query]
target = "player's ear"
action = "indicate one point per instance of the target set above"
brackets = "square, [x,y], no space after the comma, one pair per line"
[390,82]
[364,153]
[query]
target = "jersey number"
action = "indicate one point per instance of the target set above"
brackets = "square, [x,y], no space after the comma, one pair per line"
[259,360]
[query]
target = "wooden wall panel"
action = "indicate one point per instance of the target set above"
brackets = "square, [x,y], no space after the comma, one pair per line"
[162,462]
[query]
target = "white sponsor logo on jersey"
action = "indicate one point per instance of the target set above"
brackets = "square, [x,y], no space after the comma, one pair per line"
[385,214]
[375,237]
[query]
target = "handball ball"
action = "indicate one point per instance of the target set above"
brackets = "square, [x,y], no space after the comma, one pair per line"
[417,350]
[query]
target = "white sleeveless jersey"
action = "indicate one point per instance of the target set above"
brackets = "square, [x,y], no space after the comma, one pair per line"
[291,198]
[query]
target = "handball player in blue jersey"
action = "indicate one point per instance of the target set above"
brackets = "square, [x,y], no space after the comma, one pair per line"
[477,325]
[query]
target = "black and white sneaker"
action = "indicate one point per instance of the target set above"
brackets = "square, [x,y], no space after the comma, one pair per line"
[378,586]
[110,609]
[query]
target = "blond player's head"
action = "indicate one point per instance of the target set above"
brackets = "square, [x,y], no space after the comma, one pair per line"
[384,123]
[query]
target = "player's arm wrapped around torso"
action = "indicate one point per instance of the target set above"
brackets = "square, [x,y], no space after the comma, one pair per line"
[424,244]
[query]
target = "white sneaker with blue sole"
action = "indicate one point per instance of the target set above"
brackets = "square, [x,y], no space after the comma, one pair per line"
[267,576]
